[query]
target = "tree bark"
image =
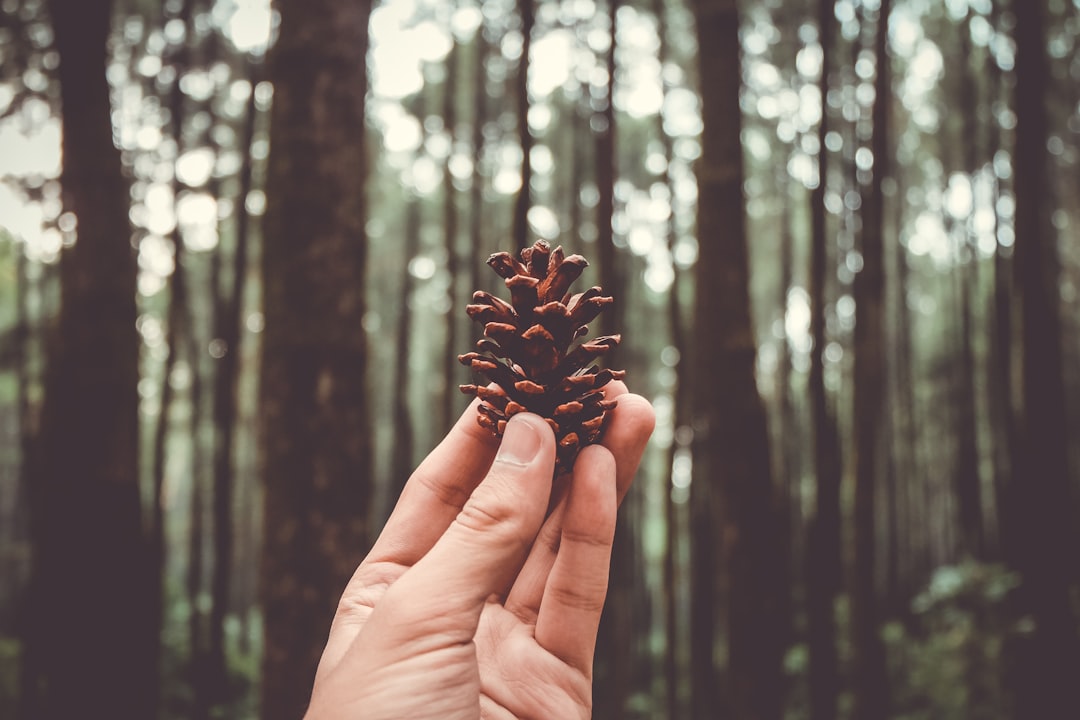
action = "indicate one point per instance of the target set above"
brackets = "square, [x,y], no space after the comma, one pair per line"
[731,449]
[823,541]
[870,681]
[524,196]
[451,367]
[1047,660]
[228,321]
[87,512]
[316,453]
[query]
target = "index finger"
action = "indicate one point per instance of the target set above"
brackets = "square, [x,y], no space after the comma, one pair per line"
[436,491]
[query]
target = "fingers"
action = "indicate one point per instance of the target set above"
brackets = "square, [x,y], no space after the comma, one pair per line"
[628,433]
[440,598]
[442,483]
[574,595]
[632,423]
[436,491]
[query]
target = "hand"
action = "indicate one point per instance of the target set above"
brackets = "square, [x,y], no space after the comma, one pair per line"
[471,604]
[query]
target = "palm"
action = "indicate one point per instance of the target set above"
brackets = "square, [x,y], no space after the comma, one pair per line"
[511,662]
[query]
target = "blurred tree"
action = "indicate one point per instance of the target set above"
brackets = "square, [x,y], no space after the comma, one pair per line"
[527,13]
[316,439]
[177,328]
[1046,659]
[227,324]
[823,541]
[731,490]
[615,643]
[870,681]
[88,532]
[451,368]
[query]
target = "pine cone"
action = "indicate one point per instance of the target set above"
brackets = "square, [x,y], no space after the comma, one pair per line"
[526,353]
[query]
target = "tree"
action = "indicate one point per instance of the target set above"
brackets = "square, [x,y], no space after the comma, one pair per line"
[823,542]
[524,196]
[89,541]
[228,320]
[731,451]
[316,446]
[1046,661]
[869,678]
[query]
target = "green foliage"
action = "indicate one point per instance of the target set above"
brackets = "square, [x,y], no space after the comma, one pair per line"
[946,659]
[10,650]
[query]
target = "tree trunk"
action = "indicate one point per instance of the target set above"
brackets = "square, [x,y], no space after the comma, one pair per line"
[731,449]
[451,367]
[228,320]
[401,462]
[316,440]
[615,649]
[524,197]
[175,328]
[87,512]
[870,682]
[1047,660]
[476,189]
[823,541]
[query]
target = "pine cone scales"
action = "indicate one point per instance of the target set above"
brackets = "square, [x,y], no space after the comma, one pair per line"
[527,352]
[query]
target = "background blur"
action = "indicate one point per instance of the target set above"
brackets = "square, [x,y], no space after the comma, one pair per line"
[841,235]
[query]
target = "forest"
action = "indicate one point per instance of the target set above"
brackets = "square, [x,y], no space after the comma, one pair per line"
[237,239]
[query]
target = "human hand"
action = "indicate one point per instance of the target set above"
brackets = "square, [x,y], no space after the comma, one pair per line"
[471,604]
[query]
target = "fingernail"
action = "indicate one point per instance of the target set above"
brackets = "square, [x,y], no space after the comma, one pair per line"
[521,442]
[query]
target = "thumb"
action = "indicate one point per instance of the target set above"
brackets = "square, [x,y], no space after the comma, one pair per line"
[484,548]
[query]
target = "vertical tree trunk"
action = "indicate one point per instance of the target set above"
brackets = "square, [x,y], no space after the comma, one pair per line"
[228,320]
[175,327]
[316,439]
[674,527]
[195,580]
[1047,660]
[731,452]
[30,661]
[968,480]
[870,680]
[451,367]
[476,192]
[524,197]
[402,453]
[604,124]
[615,649]
[823,541]
[87,511]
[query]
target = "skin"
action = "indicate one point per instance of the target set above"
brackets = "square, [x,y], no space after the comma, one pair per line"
[482,596]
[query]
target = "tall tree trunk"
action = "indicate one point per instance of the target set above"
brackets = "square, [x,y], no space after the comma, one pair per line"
[968,480]
[823,541]
[787,435]
[451,367]
[316,438]
[87,511]
[524,197]
[1047,660]
[999,310]
[175,326]
[615,648]
[870,682]
[228,321]
[401,461]
[476,188]
[30,659]
[195,580]
[731,449]
[674,526]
